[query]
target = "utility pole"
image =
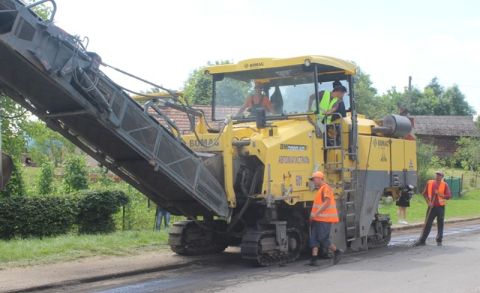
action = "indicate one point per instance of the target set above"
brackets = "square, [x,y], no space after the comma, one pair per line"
[410,84]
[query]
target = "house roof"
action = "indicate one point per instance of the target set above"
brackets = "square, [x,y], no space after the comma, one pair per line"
[445,126]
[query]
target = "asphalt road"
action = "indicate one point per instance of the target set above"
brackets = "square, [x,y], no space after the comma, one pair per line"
[455,267]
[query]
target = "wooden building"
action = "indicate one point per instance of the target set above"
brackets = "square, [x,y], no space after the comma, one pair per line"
[444,131]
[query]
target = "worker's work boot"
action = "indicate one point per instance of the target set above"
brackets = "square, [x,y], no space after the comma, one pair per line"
[337,256]
[314,261]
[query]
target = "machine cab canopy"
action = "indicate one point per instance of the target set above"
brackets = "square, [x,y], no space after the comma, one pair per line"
[282,87]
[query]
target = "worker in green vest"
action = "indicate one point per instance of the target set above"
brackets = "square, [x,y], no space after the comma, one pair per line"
[330,102]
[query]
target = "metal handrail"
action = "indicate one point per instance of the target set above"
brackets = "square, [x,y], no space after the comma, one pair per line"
[335,121]
[54,10]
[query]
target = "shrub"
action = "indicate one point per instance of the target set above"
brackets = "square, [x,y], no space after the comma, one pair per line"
[425,153]
[468,153]
[47,216]
[42,216]
[36,216]
[76,175]
[16,185]
[45,181]
[96,210]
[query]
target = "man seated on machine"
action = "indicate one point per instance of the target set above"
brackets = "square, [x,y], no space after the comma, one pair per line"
[255,102]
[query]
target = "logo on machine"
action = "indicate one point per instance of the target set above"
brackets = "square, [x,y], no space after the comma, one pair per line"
[253,65]
[293,147]
[293,160]
[410,165]
[196,144]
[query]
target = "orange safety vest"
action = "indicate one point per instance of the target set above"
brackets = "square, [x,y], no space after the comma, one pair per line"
[330,214]
[440,192]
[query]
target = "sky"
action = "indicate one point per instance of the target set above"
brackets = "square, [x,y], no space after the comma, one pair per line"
[164,41]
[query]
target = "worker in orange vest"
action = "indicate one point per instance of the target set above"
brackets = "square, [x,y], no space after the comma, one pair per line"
[324,213]
[436,194]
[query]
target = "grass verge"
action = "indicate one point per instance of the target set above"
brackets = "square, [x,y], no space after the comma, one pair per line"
[22,252]
[464,207]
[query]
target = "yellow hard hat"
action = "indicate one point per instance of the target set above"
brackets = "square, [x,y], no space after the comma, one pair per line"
[317,174]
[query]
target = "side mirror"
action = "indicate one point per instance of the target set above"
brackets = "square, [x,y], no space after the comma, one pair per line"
[261,118]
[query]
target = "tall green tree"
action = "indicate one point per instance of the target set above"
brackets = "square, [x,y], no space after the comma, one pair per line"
[456,99]
[468,153]
[436,100]
[76,174]
[45,180]
[46,145]
[369,103]
[365,93]
[13,118]
[42,10]
[198,87]
[16,185]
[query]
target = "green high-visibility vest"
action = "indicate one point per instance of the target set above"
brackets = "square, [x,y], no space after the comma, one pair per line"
[326,104]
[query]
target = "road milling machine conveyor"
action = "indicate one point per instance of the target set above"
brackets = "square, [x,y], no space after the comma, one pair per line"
[241,179]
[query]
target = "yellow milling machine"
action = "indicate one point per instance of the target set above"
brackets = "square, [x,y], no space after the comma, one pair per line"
[264,158]
[240,180]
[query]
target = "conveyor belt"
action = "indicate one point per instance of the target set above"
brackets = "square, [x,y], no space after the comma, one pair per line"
[50,73]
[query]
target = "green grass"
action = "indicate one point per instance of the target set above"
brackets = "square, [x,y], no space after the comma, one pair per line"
[20,252]
[466,206]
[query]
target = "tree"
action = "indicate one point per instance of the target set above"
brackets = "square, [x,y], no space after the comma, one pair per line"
[468,153]
[478,122]
[365,93]
[45,181]
[369,103]
[16,185]
[42,10]
[435,86]
[435,100]
[456,101]
[198,87]
[76,175]
[13,118]
[45,144]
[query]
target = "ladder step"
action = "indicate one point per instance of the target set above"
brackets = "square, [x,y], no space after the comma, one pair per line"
[351,228]
[348,190]
[350,215]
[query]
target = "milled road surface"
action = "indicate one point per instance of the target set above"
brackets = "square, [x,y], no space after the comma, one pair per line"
[455,267]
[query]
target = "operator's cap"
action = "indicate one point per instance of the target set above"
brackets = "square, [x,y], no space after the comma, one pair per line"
[440,172]
[340,88]
[317,174]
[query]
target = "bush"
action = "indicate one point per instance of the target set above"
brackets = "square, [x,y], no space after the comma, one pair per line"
[45,181]
[76,175]
[36,216]
[16,185]
[138,214]
[468,153]
[42,216]
[96,210]
[425,153]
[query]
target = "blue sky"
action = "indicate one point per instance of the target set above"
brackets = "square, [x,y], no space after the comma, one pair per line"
[165,40]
